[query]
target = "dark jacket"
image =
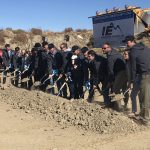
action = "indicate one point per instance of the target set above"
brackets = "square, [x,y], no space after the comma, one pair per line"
[31,61]
[98,69]
[116,63]
[43,62]
[128,70]
[57,61]
[66,61]
[77,70]
[7,58]
[16,61]
[25,62]
[85,69]
[140,60]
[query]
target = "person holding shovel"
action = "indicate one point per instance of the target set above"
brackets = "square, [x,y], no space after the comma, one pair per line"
[98,74]
[117,77]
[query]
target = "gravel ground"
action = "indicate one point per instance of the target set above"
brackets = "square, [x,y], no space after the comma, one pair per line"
[77,113]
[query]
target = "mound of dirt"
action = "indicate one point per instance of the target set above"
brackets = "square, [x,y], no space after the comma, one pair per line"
[77,113]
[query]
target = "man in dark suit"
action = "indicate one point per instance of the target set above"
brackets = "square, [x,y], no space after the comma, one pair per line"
[98,74]
[7,60]
[117,76]
[140,65]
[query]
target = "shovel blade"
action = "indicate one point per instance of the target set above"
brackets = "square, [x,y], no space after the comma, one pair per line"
[37,83]
[14,79]
[117,97]
[25,80]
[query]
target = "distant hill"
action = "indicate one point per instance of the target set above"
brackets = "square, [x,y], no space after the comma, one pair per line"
[26,40]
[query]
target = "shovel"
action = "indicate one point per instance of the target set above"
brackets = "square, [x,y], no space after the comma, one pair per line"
[20,73]
[38,83]
[26,79]
[61,88]
[65,83]
[52,86]
[117,97]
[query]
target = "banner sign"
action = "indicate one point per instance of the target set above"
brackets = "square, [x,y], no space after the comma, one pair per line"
[113,28]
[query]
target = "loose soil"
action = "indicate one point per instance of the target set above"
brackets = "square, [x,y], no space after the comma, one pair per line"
[33,120]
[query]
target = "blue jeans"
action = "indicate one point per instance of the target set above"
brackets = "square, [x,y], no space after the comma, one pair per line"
[134,93]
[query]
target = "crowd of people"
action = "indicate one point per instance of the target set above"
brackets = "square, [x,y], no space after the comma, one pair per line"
[73,71]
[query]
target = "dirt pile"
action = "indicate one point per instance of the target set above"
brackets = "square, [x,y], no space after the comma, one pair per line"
[77,113]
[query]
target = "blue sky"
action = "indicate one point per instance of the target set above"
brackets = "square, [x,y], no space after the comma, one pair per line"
[56,15]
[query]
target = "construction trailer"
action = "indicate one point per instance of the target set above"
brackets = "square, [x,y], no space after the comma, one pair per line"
[113,26]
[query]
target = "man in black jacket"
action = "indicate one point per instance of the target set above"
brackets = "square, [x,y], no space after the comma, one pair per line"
[17,63]
[17,59]
[43,66]
[85,60]
[77,72]
[98,74]
[116,72]
[7,56]
[57,66]
[66,69]
[30,70]
[7,60]
[140,64]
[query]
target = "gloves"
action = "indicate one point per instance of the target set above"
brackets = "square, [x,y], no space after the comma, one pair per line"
[68,75]
[87,85]
[10,66]
[26,67]
[55,71]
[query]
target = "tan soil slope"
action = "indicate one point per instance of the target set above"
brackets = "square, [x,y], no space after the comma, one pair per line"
[26,125]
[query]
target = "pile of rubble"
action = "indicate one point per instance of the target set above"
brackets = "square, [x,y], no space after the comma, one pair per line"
[77,113]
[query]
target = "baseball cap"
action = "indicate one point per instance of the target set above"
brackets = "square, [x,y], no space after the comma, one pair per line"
[128,38]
